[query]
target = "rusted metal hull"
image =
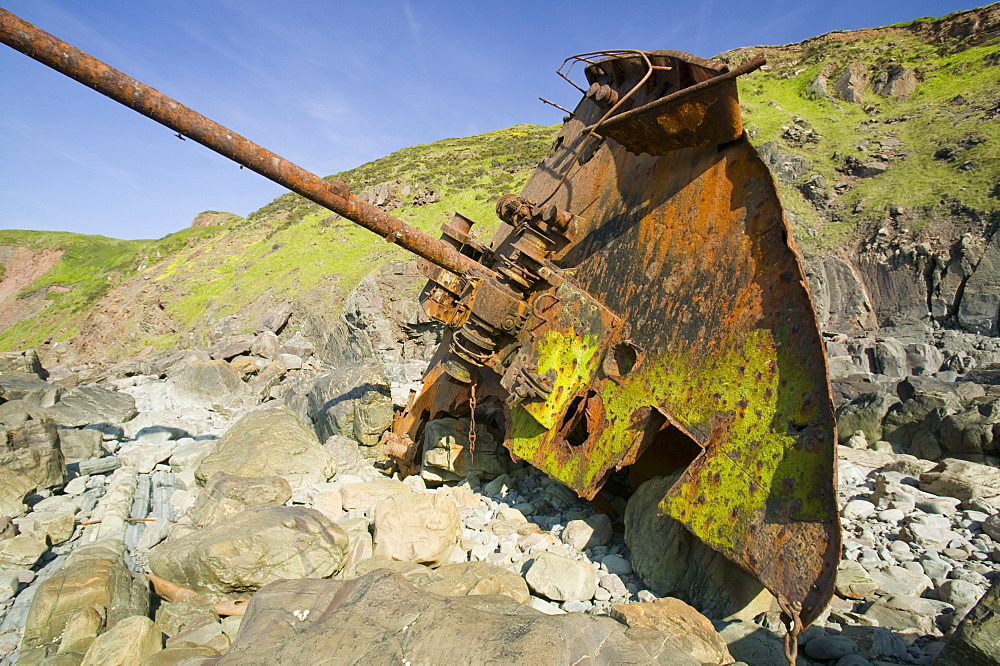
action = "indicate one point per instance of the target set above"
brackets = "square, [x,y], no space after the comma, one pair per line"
[699,348]
[643,306]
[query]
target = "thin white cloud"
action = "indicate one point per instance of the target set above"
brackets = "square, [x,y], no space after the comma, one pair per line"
[411,21]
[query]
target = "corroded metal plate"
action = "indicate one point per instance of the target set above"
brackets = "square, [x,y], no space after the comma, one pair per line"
[702,351]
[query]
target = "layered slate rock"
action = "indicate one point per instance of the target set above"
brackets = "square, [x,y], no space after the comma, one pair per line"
[478,578]
[88,405]
[93,577]
[226,495]
[252,549]
[209,379]
[32,449]
[129,642]
[270,442]
[977,311]
[977,640]
[23,362]
[21,551]
[962,480]
[690,629]
[80,444]
[391,621]
[30,390]
[352,402]
[14,488]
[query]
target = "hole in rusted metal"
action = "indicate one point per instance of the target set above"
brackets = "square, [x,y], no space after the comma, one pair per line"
[620,360]
[574,424]
[582,419]
[668,449]
[574,408]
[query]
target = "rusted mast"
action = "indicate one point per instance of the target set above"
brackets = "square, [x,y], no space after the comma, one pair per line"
[334,195]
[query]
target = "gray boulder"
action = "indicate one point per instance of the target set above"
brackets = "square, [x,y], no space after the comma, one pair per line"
[77,445]
[88,405]
[587,533]
[266,345]
[226,495]
[692,630]
[24,362]
[787,167]
[32,449]
[130,641]
[447,457]
[29,388]
[14,488]
[904,614]
[213,380]
[818,88]
[673,562]
[560,578]
[298,345]
[252,549]
[414,527]
[270,442]
[969,431]
[963,480]
[93,576]
[977,640]
[753,644]
[865,413]
[897,82]
[21,551]
[293,621]
[476,578]
[333,402]
[851,84]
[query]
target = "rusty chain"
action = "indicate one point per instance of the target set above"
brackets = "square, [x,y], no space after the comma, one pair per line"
[472,421]
[792,611]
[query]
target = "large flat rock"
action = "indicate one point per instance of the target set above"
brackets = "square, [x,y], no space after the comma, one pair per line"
[381,618]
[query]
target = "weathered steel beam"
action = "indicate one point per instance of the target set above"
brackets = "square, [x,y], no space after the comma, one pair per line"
[332,194]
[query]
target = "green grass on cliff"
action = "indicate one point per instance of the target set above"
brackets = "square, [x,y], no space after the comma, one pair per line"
[286,249]
[89,267]
[957,97]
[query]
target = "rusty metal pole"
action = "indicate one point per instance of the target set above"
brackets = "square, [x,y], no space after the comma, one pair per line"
[335,195]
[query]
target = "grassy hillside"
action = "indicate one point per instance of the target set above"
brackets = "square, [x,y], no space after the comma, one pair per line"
[89,267]
[952,114]
[289,249]
[934,153]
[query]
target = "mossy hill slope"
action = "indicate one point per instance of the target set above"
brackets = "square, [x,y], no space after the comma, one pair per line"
[110,299]
[888,130]
[894,127]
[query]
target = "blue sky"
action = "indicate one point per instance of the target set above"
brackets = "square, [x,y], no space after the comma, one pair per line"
[328,85]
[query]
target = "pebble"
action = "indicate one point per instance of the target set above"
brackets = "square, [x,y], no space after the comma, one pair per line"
[616,564]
